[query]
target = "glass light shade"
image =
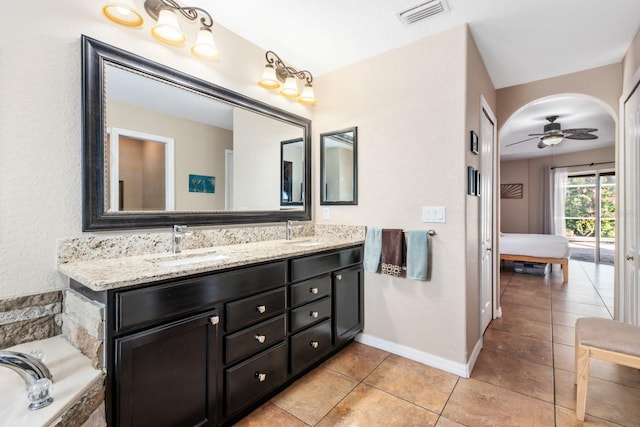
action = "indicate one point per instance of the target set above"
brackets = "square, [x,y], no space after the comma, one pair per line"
[205,47]
[269,79]
[307,97]
[290,88]
[122,12]
[167,29]
[552,139]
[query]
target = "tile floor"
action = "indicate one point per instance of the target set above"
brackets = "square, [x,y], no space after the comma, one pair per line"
[523,376]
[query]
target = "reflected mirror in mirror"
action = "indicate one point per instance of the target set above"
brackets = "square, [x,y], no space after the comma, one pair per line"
[339,167]
[149,130]
[292,173]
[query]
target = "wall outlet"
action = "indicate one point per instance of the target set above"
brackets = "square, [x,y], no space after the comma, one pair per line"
[325,213]
[433,214]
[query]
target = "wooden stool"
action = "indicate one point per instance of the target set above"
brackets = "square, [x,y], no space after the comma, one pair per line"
[602,339]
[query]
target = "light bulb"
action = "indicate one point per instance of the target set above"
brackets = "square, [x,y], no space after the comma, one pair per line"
[269,79]
[307,97]
[205,46]
[167,29]
[290,88]
[122,12]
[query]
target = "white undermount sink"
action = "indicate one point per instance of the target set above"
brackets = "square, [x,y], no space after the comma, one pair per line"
[186,259]
[303,242]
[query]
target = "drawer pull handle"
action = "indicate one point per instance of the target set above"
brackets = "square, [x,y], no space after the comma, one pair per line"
[313,290]
[261,308]
[314,314]
[214,320]
[261,377]
[338,276]
[314,344]
[261,338]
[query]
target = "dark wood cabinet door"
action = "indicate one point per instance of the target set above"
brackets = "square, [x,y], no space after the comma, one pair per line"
[167,375]
[348,303]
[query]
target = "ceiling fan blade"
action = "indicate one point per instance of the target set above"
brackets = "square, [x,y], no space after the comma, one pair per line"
[518,142]
[581,136]
[579,130]
[537,134]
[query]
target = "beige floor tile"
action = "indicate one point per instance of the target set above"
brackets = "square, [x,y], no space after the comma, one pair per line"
[564,357]
[538,302]
[524,327]
[605,400]
[477,403]
[356,360]
[412,381]
[314,395]
[446,422]
[531,379]
[564,335]
[607,371]
[519,347]
[272,415]
[525,312]
[368,406]
[583,309]
[565,319]
[591,298]
[567,418]
[527,290]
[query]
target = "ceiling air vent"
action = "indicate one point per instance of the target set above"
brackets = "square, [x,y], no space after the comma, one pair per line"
[422,11]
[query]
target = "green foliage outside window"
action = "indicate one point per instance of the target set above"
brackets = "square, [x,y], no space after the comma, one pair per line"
[580,208]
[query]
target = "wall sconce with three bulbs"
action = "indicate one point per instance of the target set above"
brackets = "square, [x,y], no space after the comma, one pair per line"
[276,72]
[167,29]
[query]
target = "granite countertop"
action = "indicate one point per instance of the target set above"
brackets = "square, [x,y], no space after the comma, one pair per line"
[105,274]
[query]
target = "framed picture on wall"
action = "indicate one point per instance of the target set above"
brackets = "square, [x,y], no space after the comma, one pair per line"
[474,142]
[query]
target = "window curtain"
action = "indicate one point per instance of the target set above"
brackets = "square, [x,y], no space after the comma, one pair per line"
[554,189]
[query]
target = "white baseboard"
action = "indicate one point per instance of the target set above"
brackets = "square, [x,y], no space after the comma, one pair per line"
[460,369]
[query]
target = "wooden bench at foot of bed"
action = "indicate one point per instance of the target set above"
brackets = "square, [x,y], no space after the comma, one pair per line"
[564,262]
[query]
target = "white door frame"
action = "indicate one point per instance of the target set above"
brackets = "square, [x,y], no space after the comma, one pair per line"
[114,165]
[627,268]
[490,151]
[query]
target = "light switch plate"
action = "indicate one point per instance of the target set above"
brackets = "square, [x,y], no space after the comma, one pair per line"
[325,213]
[433,214]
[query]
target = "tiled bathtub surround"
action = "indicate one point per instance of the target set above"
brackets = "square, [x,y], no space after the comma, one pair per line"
[83,326]
[29,318]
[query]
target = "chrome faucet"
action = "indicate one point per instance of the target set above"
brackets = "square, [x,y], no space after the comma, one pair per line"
[179,231]
[34,373]
[289,229]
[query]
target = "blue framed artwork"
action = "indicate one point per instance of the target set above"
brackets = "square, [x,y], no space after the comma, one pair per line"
[202,184]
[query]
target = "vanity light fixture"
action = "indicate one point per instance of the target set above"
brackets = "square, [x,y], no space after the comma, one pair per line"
[276,72]
[167,29]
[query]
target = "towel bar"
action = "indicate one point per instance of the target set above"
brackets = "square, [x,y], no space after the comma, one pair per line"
[429,232]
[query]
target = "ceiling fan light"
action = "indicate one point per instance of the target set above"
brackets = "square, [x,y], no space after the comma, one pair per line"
[552,139]
[269,79]
[167,29]
[205,47]
[122,12]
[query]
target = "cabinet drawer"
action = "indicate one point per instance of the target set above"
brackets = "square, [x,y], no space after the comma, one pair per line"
[310,313]
[252,379]
[310,290]
[161,301]
[308,346]
[254,339]
[315,265]
[250,310]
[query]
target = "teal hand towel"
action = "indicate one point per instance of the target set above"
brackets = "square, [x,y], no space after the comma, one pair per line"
[418,255]
[372,249]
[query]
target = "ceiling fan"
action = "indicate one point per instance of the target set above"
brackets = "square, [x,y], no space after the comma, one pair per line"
[553,134]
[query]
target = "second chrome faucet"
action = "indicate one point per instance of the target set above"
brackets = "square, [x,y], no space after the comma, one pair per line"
[179,231]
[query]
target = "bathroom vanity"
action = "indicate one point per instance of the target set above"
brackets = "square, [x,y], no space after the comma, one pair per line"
[214,341]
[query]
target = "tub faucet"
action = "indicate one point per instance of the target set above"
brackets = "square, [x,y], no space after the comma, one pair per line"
[179,231]
[34,373]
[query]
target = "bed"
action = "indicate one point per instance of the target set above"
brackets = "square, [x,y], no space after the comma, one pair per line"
[544,248]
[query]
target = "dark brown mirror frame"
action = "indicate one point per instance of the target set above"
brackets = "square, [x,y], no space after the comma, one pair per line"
[94,216]
[354,201]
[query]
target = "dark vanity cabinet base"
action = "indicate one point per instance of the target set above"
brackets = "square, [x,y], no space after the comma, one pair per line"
[208,349]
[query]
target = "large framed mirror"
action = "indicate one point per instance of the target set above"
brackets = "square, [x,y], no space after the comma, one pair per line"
[339,167]
[161,147]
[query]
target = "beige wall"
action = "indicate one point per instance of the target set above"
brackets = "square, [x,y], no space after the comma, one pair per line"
[478,84]
[631,63]
[40,119]
[603,83]
[529,172]
[412,140]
